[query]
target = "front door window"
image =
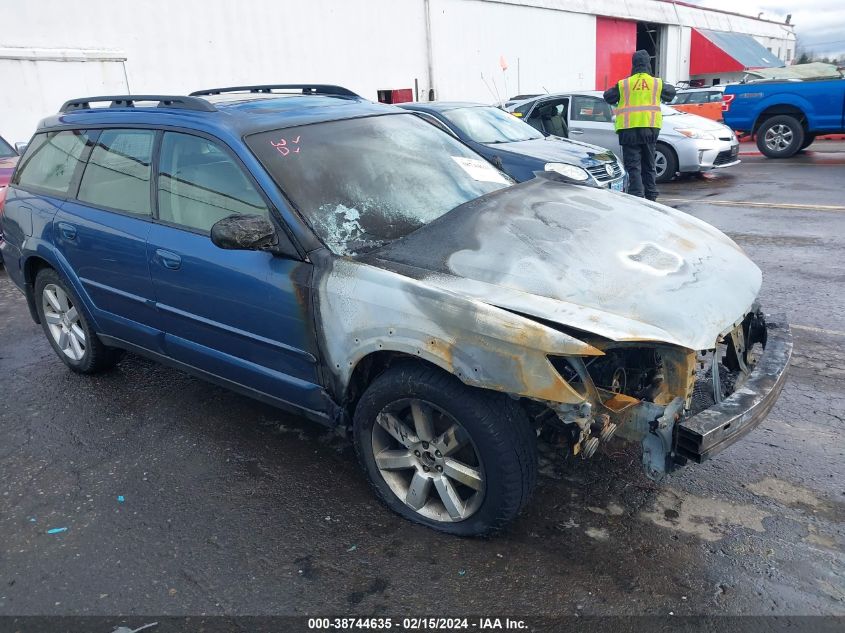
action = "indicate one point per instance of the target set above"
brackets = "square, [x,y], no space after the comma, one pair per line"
[200,183]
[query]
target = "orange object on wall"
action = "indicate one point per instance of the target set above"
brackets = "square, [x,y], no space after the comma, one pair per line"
[616,41]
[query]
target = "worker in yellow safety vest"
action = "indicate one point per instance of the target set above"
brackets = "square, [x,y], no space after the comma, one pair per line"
[638,122]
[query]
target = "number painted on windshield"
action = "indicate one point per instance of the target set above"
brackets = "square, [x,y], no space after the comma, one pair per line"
[284,148]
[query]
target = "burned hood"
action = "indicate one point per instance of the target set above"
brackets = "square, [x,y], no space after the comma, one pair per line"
[603,262]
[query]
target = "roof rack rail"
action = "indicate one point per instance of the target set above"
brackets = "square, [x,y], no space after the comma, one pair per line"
[307,89]
[128,101]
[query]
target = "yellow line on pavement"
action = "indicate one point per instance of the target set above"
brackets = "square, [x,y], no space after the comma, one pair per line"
[763,205]
[810,328]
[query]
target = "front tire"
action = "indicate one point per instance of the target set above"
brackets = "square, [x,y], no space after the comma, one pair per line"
[455,458]
[66,327]
[780,136]
[665,163]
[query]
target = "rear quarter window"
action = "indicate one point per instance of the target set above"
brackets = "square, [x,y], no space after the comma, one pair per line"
[591,109]
[524,108]
[6,150]
[51,161]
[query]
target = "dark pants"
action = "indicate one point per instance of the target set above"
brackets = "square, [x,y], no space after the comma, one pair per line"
[639,163]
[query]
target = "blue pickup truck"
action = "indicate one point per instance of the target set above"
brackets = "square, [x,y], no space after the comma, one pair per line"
[785,116]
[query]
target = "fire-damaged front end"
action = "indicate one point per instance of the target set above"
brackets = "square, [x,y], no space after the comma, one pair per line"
[679,404]
[603,315]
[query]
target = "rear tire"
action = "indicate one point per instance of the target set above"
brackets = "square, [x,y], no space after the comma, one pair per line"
[665,163]
[780,136]
[67,328]
[488,458]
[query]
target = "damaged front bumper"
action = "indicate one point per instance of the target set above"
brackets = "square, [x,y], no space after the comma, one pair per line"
[705,434]
[679,422]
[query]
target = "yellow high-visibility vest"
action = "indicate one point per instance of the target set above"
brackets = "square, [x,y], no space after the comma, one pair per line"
[639,102]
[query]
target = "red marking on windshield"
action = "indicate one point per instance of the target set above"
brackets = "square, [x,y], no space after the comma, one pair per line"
[284,148]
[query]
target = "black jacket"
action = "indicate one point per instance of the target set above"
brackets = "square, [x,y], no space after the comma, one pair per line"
[640,63]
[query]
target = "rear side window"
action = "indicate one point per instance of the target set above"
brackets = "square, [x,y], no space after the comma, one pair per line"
[51,160]
[6,150]
[199,183]
[699,97]
[590,109]
[524,108]
[118,172]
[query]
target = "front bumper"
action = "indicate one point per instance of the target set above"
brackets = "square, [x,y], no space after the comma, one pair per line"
[696,155]
[705,434]
[618,184]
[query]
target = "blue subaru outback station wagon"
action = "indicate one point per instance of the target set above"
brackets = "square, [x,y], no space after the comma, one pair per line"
[348,261]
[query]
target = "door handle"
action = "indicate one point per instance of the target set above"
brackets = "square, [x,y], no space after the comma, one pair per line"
[576,131]
[67,231]
[168,259]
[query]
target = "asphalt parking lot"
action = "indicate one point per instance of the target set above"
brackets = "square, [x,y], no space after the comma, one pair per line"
[182,498]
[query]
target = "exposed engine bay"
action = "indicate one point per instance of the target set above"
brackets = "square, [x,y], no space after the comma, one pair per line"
[641,393]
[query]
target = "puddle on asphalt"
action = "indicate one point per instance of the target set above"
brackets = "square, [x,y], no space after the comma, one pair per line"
[613,509]
[599,534]
[821,540]
[709,519]
[785,493]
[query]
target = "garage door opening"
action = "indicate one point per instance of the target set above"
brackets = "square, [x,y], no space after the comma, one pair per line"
[650,38]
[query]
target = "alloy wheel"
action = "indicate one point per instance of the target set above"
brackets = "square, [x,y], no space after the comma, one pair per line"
[778,137]
[428,460]
[63,322]
[659,163]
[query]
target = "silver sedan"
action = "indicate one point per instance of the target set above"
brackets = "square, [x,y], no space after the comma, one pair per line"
[687,143]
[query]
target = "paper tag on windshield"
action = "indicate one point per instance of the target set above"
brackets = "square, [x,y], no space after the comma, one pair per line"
[480,170]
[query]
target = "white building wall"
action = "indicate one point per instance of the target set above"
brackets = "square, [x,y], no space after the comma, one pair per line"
[177,47]
[545,50]
[676,53]
[724,78]
[365,45]
[36,82]
[781,47]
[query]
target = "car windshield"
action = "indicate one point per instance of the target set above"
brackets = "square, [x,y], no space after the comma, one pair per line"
[491,125]
[364,182]
[6,150]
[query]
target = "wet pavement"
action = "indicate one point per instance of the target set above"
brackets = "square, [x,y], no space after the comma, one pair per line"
[182,498]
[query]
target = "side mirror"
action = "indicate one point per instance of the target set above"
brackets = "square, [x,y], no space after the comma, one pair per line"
[249,233]
[20,147]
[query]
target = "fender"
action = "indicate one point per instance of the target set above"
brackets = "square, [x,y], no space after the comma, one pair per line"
[41,249]
[785,99]
[363,309]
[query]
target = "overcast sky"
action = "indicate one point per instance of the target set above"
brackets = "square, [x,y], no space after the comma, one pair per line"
[819,24]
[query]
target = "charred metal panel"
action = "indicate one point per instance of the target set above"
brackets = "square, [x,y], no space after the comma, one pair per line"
[593,260]
[364,309]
